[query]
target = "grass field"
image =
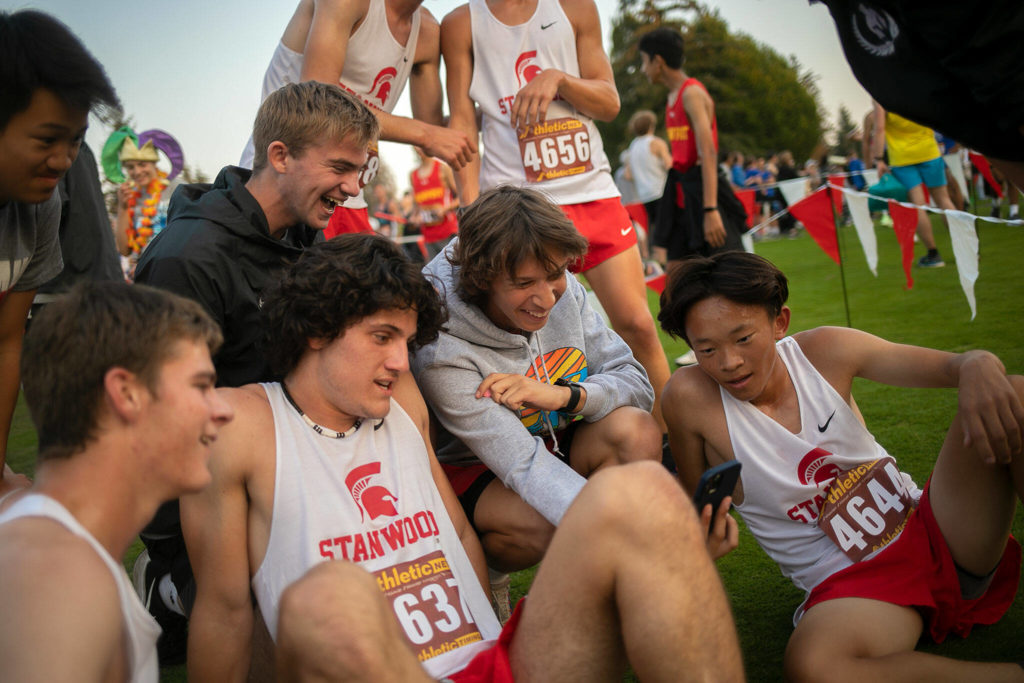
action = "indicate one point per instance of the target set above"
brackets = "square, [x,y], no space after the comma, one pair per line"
[911,424]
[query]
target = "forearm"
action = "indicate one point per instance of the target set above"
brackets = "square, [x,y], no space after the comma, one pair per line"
[467,178]
[593,97]
[121,227]
[401,129]
[709,174]
[219,643]
[10,355]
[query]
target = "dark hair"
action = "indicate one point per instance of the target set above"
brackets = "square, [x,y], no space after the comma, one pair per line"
[96,326]
[38,51]
[335,284]
[502,228]
[734,275]
[666,43]
[304,114]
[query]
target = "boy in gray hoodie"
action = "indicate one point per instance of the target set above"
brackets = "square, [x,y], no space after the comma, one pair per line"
[532,391]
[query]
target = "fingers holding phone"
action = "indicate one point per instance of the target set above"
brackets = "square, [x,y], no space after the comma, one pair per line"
[723,531]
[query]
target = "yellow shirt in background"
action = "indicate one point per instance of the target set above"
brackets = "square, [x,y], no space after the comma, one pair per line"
[909,143]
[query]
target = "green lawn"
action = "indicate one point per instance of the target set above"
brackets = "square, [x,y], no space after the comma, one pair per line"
[911,424]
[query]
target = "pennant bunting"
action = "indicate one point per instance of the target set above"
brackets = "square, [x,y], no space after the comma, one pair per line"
[748,242]
[793,190]
[657,282]
[858,203]
[748,198]
[956,169]
[815,213]
[965,250]
[904,222]
[981,163]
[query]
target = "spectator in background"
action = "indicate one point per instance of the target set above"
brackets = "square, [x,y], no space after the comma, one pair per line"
[647,162]
[384,208]
[856,168]
[145,195]
[436,200]
[737,174]
[48,85]
[786,171]
[915,161]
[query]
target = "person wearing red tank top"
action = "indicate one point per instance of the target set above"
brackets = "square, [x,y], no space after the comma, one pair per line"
[699,213]
[435,201]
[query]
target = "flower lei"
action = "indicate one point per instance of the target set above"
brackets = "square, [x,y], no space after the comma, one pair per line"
[138,238]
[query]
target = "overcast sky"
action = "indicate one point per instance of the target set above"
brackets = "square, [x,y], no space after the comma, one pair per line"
[195,67]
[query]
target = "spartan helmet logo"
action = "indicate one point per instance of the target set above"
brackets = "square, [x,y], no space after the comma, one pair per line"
[814,468]
[526,67]
[875,29]
[382,84]
[375,501]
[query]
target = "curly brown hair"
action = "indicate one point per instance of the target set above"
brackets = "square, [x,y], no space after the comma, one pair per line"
[335,284]
[502,228]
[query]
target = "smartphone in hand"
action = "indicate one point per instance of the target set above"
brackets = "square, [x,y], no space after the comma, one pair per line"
[715,485]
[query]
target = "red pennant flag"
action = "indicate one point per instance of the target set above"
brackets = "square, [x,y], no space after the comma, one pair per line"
[749,201]
[815,212]
[837,180]
[981,163]
[657,282]
[904,223]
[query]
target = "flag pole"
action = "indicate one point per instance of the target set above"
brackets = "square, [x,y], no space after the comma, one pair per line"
[839,250]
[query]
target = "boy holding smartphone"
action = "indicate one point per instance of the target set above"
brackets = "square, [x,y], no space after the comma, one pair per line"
[880,560]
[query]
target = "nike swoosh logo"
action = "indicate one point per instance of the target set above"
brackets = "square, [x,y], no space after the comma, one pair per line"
[547,26]
[625,231]
[823,427]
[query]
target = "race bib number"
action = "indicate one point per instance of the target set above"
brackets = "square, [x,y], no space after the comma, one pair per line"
[554,149]
[865,508]
[428,604]
[369,170]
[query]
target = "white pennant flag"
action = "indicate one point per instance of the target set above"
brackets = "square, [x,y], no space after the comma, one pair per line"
[956,169]
[870,177]
[793,190]
[858,203]
[965,250]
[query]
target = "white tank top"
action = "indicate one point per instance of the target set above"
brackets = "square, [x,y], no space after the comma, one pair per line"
[648,173]
[564,157]
[785,476]
[140,627]
[370,498]
[376,69]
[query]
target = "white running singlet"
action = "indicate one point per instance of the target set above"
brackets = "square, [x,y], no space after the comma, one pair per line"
[370,498]
[141,629]
[376,69]
[562,157]
[786,477]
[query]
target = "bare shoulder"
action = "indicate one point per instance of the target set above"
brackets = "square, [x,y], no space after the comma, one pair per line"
[827,347]
[57,592]
[252,429]
[407,394]
[692,386]
[582,13]
[428,42]
[456,20]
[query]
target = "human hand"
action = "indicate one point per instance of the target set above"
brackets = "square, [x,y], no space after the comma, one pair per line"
[714,229]
[124,193]
[724,534]
[516,392]
[450,145]
[881,167]
[531,103]
[991,414]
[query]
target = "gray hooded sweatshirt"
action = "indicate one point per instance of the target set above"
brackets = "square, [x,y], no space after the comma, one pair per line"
[574,344]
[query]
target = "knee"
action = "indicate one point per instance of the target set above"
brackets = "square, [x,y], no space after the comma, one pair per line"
[330,620]
[634,435]
[635,325]
[643,502]
[806,665]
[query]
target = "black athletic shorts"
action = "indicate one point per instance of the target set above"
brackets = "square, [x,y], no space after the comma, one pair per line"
[955,66]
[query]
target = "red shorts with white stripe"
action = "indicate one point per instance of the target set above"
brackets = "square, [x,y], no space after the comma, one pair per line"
[492,665]
[347,220]
[917,570]
[606,225]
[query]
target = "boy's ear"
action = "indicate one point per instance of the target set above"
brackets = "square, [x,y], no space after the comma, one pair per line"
[782,322]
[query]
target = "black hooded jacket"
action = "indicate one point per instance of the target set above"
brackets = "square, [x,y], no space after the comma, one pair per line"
[217,250]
